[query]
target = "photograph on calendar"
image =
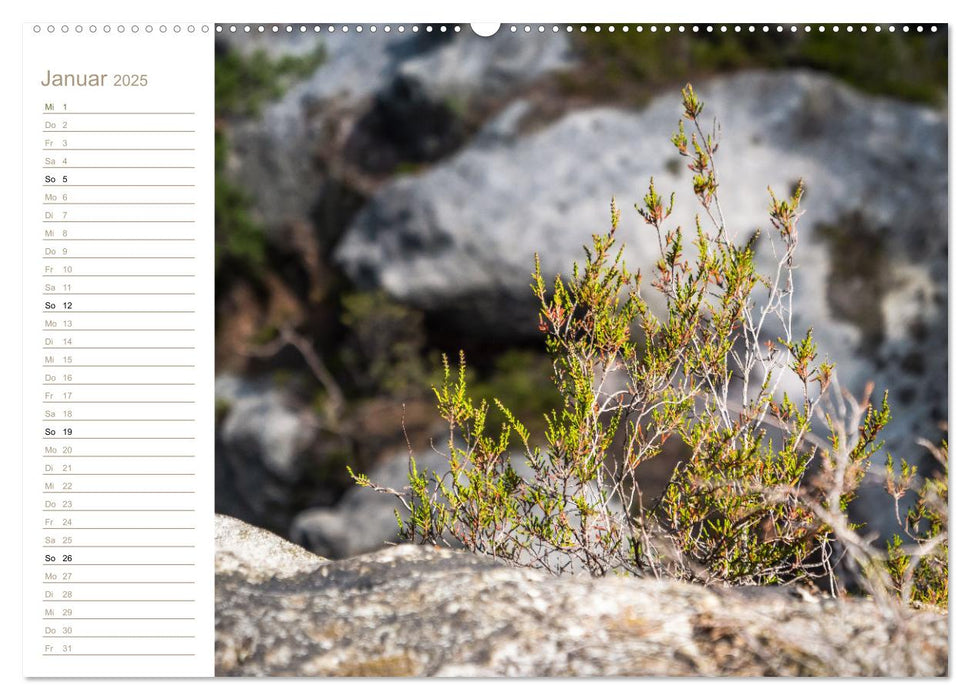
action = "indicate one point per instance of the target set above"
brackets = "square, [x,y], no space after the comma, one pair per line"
[581,350]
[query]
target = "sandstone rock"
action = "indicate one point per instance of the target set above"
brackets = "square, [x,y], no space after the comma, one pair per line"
[458,240]
[419,611]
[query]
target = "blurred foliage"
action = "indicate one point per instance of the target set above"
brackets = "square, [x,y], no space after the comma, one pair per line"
[239,239]
[407,167]
[633,67]
[386,353]
[222,408]
[521,380]
[383,351]
[243,84]
[265,334]
[907,66]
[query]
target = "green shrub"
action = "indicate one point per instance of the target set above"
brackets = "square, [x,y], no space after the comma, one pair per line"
[919,574]
[760,498]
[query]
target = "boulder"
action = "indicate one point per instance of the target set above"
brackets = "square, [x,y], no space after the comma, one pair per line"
[422,611]
[257,555]
[363,520]
[269,450]
[458,239]
[376,101]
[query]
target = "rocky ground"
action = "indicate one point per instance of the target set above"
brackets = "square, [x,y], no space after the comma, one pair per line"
[419,611]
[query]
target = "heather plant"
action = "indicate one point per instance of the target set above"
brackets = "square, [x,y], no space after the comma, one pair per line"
[758,498]
[919,574]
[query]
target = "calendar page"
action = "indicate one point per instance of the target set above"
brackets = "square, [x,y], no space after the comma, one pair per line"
[437,349]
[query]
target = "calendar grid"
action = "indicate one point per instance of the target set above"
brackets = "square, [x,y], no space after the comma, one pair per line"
[118,359]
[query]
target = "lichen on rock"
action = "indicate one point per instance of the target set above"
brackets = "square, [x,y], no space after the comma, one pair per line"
[422,611]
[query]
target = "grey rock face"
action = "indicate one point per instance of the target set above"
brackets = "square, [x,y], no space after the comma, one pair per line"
[458,240]
[377,100]
[363,520]
[446,64]
[417,611]
[257,555]
[266,445]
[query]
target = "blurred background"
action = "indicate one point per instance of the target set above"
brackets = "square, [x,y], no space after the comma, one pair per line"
[380,197]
